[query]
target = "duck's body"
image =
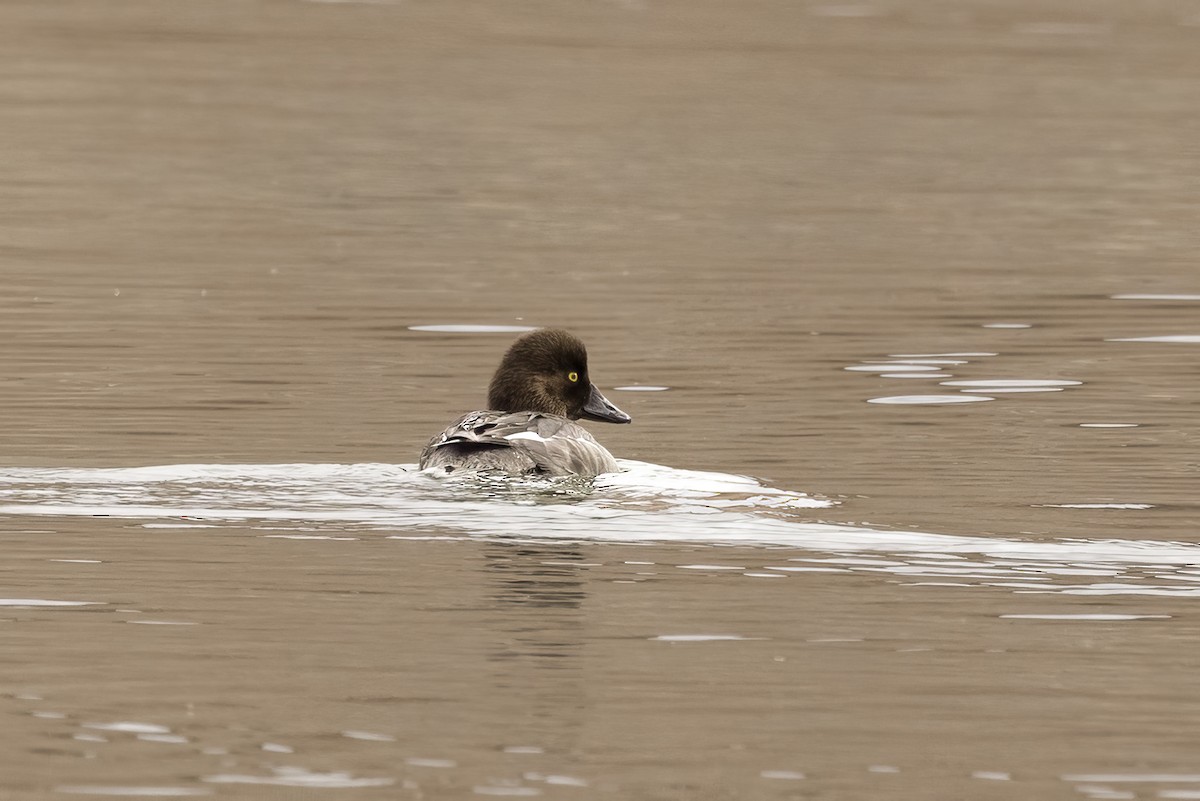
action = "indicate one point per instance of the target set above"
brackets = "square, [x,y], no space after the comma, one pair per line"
[540,388]
[517,443]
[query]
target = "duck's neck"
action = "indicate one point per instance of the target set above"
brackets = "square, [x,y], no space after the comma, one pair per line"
[516,390]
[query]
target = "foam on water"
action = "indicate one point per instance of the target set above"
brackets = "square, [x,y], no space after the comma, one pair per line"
[643,503]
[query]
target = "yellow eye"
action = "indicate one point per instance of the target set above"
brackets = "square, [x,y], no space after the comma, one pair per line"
[572,376]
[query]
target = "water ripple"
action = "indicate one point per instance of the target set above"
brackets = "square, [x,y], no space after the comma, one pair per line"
[643,503]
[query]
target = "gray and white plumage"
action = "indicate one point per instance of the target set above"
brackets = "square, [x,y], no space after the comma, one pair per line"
[517,443]
[539,389]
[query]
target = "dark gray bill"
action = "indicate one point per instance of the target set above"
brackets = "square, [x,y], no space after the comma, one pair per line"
[600,408]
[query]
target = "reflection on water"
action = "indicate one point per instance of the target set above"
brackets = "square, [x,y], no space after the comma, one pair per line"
[472,329]
[1186,338]
[543,577]
[1155,297]
[919,400]
[915,367]
[300,777]
[131,791]
[1001,384]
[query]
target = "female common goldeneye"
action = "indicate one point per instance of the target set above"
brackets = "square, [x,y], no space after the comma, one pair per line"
[540,387]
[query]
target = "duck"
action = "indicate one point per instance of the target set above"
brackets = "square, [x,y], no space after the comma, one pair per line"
[537,393]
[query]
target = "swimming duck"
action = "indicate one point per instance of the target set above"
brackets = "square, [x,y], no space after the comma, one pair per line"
[540,388]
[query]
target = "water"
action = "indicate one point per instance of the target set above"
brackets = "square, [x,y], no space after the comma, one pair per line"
[902,300]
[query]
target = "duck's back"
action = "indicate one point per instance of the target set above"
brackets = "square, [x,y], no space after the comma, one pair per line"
[517,443]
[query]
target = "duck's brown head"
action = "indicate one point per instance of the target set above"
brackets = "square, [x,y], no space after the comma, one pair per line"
[547,371]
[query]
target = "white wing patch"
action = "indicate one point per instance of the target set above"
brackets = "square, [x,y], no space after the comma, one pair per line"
[535,437]
[527,435]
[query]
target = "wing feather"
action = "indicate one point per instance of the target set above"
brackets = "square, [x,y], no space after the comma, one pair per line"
[518,442]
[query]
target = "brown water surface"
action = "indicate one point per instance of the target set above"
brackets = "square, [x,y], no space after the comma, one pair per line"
[219,221]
